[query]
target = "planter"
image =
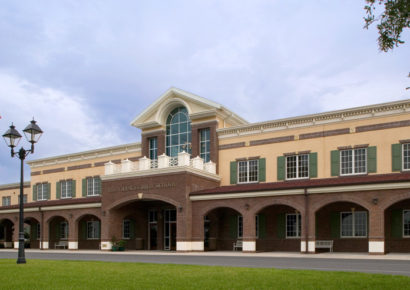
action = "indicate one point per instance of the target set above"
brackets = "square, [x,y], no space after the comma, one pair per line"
[114,248]
[121,249]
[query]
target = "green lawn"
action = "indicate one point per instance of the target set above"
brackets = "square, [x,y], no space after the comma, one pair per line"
[42,274]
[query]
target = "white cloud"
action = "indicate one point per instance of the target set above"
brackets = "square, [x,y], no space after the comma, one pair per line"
[69,123]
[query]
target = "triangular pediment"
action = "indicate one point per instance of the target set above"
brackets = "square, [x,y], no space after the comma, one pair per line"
[198,108]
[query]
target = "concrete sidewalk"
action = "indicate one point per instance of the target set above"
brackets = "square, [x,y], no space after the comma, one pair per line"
[333,255]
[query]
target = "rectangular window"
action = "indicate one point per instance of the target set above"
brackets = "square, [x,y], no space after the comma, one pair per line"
[153,148]
[66,188]
[353,224]
[93,230]
[240,227]
[293,225]
[205,144]
[353,161]
[248,171]
[93,186]
[42,191]
[153,216]
[24,198]
[406,156]
[63,230]
[406,223]
[297,166]
[6,200]
[38,229]
[126,226]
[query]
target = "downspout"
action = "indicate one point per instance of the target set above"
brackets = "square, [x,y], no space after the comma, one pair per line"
[306,221]
[41,228]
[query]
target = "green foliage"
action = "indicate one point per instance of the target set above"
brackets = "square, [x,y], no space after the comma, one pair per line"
[391,22]
[41,274]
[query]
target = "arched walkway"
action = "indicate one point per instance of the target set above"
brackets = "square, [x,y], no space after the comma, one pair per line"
[278,228]
[223,226]
[58,231]
[89,232]
[32,228]
[6,233]
[346,224]
[397,227]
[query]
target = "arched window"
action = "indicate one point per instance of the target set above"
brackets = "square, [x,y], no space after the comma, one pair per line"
[178,132]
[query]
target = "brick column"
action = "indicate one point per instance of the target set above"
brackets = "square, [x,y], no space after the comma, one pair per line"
[72,234]
[376,231]
[45,229]
[249,233]
[311,234]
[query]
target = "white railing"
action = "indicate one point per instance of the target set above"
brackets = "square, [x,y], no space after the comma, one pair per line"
[163,161]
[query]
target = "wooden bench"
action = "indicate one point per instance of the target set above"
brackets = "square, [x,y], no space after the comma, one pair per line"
[61,245]
[324,245]
[237,245]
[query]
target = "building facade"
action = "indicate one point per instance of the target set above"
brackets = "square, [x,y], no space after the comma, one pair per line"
[203,178]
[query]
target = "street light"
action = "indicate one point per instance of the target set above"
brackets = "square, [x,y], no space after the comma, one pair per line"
[12,138]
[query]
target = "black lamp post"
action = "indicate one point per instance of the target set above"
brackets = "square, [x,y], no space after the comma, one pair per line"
[12,138]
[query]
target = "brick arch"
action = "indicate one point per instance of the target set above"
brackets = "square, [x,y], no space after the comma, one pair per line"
[394,199]
[31,217]
[58,215]
[9,219]
[128,199]
[282,201]
[221,204]
[333,199]
[77,219]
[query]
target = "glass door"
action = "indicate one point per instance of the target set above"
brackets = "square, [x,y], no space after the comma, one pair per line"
[170,229]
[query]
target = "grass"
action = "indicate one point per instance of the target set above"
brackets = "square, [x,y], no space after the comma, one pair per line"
[42,274]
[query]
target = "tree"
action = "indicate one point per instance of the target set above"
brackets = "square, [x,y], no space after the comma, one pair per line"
[392,21]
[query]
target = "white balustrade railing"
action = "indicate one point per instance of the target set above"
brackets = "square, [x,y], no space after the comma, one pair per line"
[183,159]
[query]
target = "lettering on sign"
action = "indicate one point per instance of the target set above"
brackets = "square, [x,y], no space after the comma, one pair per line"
[125,188]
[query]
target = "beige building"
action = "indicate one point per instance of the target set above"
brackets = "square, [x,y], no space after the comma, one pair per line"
[203,178]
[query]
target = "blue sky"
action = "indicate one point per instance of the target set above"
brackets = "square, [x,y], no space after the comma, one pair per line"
[85,69]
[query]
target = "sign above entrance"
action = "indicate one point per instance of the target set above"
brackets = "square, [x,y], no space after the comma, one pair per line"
[127,188]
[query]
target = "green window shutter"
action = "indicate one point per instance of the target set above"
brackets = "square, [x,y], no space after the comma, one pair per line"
[234,172]
[33,232]
[335,224]
[34,192]
[262,226]
[396,157]
[57,227]
[372,159]
[132,229]
[84,187]
[313,165]
[281,225]
[262,169]
[48,191]
[58,189]
[73,189]
[233,226]
[83,230]
[281,168]
[335,162]
[396,223]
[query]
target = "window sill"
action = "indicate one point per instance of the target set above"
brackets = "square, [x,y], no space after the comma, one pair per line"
[361,237]
[292,238]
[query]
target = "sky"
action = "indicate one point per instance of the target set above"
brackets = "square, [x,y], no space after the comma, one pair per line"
[85,69]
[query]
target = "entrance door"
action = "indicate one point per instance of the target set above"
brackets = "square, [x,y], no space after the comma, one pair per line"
[153,230]
[170,229]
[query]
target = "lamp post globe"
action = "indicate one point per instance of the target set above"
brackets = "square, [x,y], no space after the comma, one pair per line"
[12,138]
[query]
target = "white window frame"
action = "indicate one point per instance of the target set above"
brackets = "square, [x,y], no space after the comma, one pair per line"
[402,156]
[6,201]
[353,162]
[298,225]
[95,228]
[354,224]
[239,227]
[64,186]
[63,230]
[297,167]
[404,212]
[124,222]
[25,198]
[43,188]
[93,180]
[247,171]
[207,141]
[153,148]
